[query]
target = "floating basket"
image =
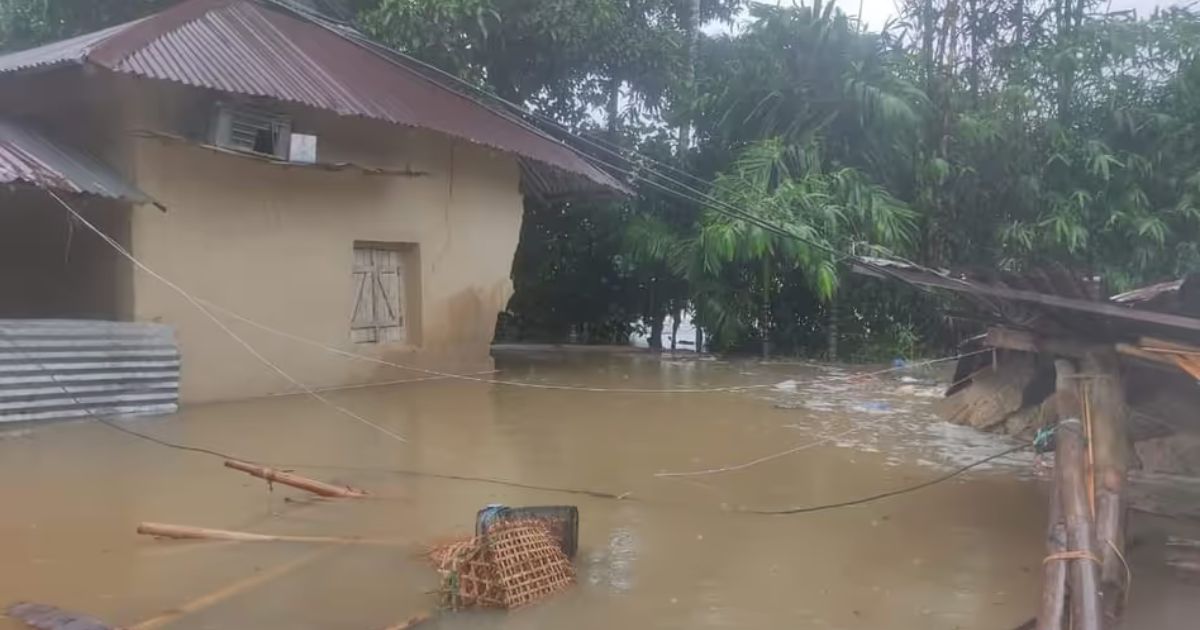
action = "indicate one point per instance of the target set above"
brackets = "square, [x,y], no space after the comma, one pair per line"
[528,561]
[517,563]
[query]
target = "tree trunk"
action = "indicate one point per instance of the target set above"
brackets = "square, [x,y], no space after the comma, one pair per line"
[692,20]
[656,330]
[613,109]
[764,316]
[832,331]
[973,24]
[656,317]
[927,29]
[675,317]
[699,337]
[1070,465]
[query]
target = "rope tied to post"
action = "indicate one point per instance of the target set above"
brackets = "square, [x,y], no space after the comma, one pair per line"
[1072,555]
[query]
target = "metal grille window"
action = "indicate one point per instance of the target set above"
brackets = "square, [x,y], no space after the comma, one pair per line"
[378,314]
[252,130]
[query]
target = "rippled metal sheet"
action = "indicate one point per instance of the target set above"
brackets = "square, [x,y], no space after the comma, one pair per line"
[79,368]
[29,157]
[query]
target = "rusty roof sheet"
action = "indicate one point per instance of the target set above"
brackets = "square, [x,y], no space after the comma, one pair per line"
[29,157]
[256,48]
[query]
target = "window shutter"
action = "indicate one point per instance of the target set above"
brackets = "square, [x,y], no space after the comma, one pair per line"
[389,314]
[378,313]
[362,322]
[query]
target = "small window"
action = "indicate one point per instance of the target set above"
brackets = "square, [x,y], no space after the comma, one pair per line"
[379,293]
[252,131]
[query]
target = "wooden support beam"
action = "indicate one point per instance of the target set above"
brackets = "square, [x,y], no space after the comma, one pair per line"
[1024,341]
[1052,614]
[296,481]
[1070,465]
[1105,409]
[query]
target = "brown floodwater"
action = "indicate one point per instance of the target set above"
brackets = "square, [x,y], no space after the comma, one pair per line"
[675,552]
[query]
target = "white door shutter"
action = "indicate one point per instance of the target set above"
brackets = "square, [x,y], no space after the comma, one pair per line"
[389,295]
[378,314]
[362,322]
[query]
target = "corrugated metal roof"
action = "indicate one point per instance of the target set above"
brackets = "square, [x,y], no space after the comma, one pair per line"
[247,47]
[28,157]
[67,51]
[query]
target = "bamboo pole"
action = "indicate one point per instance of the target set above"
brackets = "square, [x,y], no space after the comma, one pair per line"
[185,532]
[230,590]
[412,622]
[296,481]
[1069,466]
[1110,439]
[1052,614]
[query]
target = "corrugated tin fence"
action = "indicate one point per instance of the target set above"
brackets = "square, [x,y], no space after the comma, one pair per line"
[76,368]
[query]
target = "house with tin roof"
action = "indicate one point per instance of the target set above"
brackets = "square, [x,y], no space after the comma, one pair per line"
[274,164]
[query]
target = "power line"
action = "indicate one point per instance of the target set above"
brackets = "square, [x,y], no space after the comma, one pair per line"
[692,194]
[891,493]
[224,328]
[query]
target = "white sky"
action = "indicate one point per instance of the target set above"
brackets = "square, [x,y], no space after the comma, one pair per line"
[877,12]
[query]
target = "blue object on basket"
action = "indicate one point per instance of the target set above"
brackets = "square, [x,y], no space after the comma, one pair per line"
[562,519]
[488,515]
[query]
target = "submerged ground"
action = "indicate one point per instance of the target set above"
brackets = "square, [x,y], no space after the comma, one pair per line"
[674,552]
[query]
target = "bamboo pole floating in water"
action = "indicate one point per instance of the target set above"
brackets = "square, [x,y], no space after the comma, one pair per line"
[412,622]
[1069,466]
[296,481]
[230,590]
[185,532]
[1052,614]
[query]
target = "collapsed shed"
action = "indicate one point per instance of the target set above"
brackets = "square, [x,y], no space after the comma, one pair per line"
[1109,382]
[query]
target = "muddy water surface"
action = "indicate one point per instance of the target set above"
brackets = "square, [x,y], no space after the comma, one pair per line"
[674,553]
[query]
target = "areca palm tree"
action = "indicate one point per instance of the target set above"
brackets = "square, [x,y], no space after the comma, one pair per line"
[739,268]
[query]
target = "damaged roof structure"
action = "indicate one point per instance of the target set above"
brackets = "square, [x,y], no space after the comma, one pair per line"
[1111,384]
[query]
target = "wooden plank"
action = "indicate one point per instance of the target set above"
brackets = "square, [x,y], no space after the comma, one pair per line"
[1024,341]
[1069,465]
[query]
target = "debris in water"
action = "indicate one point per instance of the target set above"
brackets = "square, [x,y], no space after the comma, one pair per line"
[45,617]
[319,488]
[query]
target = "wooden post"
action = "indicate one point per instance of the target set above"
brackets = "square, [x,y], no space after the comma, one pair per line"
[1052,614]
[1110,445]
[296,481]
[1070,465]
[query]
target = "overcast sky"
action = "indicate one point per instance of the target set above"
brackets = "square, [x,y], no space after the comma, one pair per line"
[876,12]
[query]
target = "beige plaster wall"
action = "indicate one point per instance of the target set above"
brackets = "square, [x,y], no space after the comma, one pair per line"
[275,244]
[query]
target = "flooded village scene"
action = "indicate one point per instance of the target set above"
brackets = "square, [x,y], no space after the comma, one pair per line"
[500,314]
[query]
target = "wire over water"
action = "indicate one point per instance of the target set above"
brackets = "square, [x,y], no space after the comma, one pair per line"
[220,324]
